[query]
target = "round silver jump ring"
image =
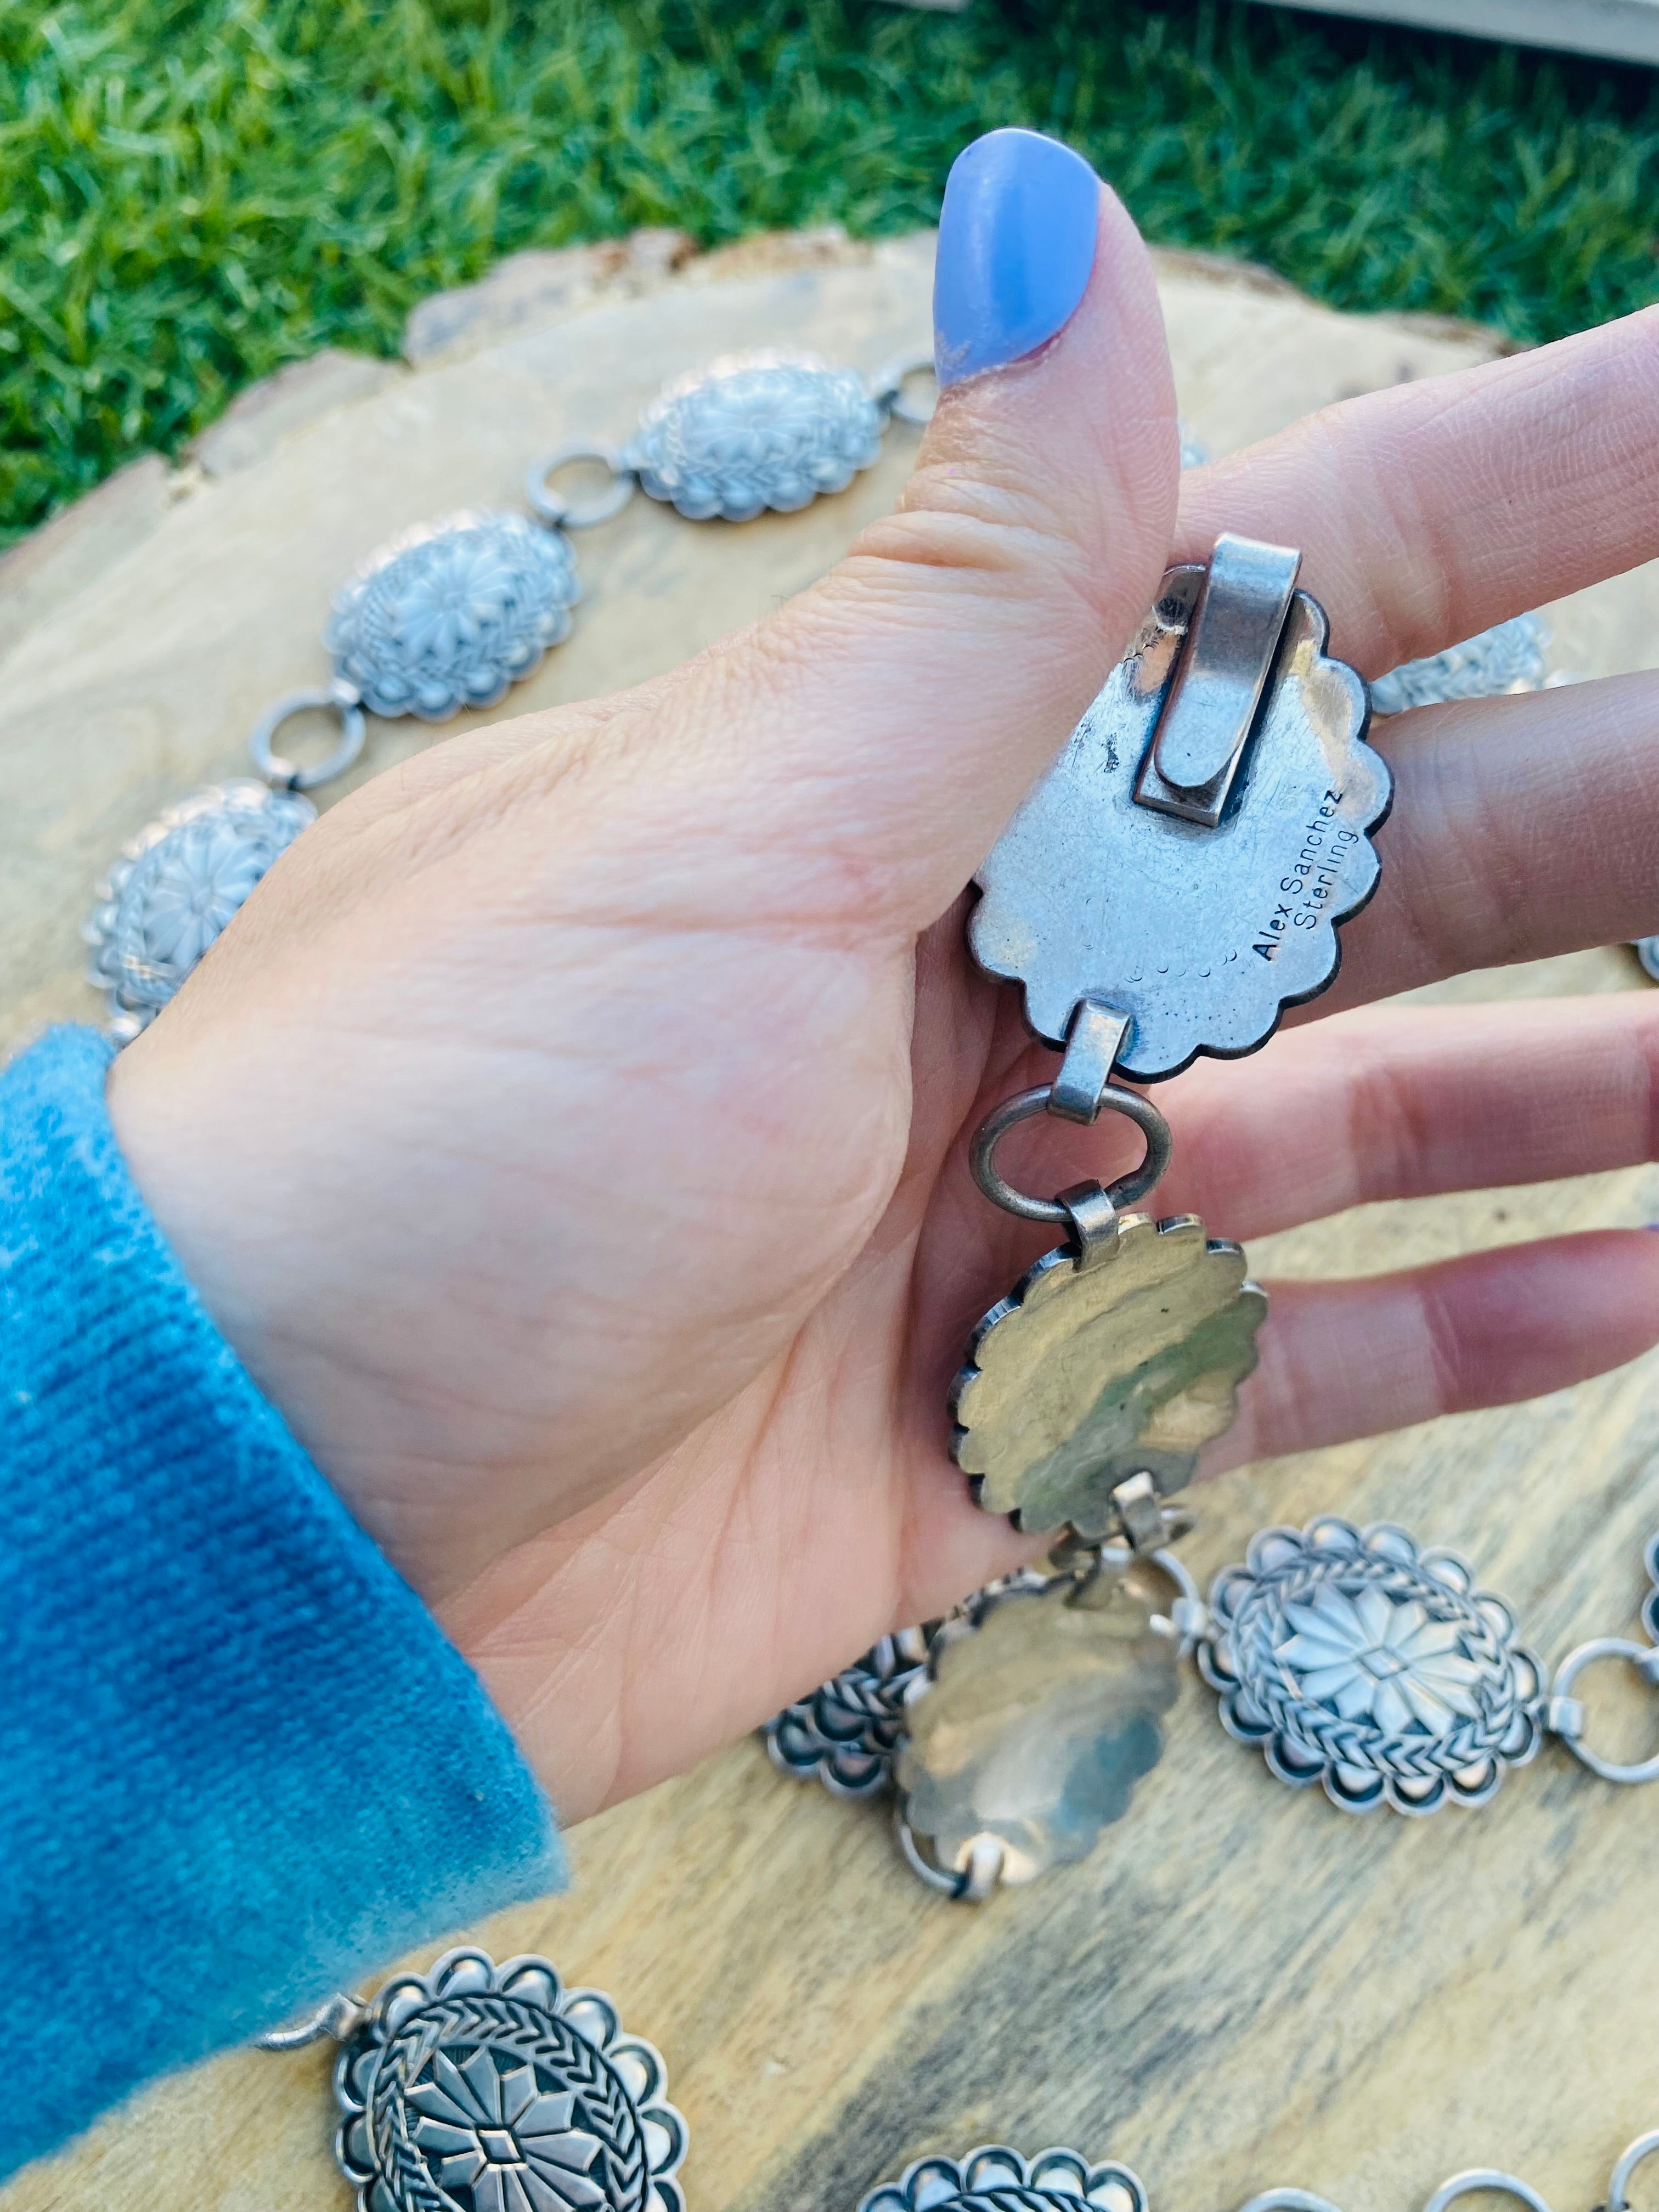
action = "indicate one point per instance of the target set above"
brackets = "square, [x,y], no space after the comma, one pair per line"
[887,389]
[346,702]
[1021,1106]
[1288,2200]
[1619,2186]
[1481,2178]
[975,1881]
[1566,1715]
[562,513]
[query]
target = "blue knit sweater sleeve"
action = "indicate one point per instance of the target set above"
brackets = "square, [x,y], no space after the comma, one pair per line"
[240,1764]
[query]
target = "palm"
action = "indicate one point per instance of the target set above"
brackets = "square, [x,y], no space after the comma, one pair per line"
[815,1509]
[617,1246]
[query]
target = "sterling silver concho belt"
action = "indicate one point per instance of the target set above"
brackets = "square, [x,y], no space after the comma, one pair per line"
[453,613]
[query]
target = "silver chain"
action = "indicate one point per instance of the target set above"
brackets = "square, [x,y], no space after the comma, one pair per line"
[851,1732]
[1479,2180]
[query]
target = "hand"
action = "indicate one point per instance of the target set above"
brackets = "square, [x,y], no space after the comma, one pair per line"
[569,1135]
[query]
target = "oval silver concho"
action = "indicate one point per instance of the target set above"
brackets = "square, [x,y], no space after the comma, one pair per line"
[452,614]
[754,431]
[1358,1660]
[483,2088]
[176,885]
[998,2179]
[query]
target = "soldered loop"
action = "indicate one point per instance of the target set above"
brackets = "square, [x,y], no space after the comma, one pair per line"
[337,697]
[1125,1191]
[562,513]
[1479,2179]
[1566,1715]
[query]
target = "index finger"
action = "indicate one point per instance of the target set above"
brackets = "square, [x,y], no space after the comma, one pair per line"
[1432,510]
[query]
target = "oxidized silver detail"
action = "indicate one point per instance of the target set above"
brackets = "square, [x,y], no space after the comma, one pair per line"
[1511,656]
[1202,936]
[495,2088]
[177,885]
[753,431]
[452,614]
[998,2179]
[1358,1660]
[847,1732]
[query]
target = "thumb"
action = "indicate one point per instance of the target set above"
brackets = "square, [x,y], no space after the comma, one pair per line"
[911,697]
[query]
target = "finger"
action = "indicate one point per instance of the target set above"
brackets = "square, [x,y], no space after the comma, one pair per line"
[1521,826]
[1354,1358]
[1429,510]
[888,721]
[1408,1102]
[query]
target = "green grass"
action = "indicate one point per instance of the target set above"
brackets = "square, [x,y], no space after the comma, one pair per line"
[194,191]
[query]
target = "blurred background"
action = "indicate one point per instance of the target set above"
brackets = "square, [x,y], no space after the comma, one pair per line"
[191,195]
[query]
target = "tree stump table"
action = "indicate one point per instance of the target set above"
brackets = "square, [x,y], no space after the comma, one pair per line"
[1240,1987]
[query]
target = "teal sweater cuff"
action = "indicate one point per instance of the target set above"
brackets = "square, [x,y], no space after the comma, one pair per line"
[240,1763]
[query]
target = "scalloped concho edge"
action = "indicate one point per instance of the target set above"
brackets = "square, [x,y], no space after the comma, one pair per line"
[1004,939]
[1063,1259]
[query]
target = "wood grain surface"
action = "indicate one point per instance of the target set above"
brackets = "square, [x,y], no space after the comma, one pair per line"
[1240,1986]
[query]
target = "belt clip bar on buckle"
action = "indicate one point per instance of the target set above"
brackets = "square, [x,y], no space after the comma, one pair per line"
[1232,643]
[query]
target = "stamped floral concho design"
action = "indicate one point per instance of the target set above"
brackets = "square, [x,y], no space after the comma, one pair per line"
[847,1732]
[483,2088]
[1359,1661]
[997,2179]
[754,431]
[452,614]
[176,885]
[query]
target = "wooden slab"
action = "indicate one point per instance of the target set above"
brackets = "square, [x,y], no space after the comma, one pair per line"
[1623,30]
[1241,1986]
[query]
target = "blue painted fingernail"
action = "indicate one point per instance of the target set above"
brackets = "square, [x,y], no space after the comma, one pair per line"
[1016,245]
